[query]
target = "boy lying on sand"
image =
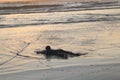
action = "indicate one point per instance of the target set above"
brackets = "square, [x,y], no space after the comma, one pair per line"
[59,53]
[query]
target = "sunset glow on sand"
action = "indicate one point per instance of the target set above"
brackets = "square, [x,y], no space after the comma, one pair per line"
[71,28]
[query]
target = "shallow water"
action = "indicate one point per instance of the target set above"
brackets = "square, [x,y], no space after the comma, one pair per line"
[95,32]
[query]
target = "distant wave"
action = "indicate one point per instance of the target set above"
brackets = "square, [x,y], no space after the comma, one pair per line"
[54,18]
[56,7]
[25,15]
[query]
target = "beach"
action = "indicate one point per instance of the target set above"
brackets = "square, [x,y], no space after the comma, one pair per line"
[92,72]
[94,30]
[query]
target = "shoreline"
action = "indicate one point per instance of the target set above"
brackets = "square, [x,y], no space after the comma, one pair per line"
[21,8]
[100,39]
[102,14]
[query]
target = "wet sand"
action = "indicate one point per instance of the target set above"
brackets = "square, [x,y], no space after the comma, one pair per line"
[92,72]
[100,39]
[101,43]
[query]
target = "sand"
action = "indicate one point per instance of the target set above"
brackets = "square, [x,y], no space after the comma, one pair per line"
[102,62]
[100,39]
[83,72]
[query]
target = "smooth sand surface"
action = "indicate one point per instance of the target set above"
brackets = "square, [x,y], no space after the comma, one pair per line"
[91,72]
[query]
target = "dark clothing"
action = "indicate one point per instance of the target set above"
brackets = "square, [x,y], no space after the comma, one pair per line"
[59,53]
